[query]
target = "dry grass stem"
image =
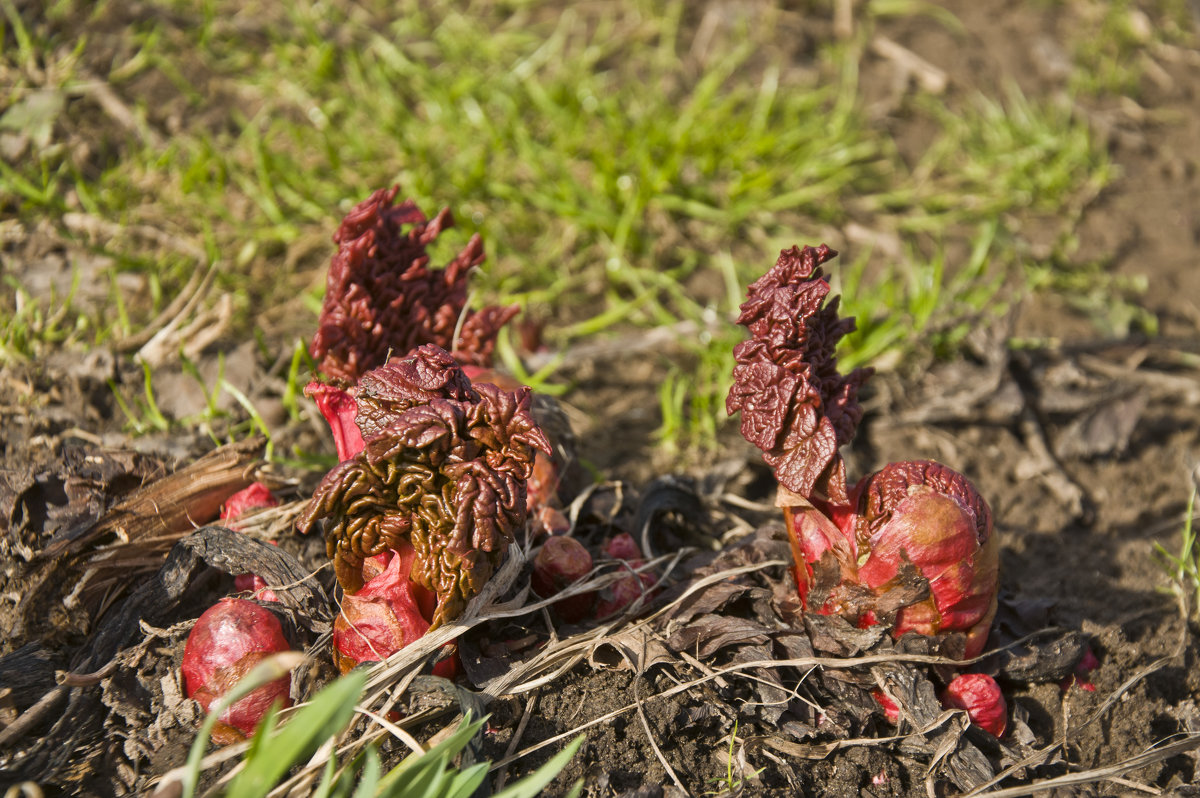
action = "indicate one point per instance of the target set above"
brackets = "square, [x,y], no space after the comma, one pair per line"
[502,775]
[396,731]
[929,77]
[1106,773]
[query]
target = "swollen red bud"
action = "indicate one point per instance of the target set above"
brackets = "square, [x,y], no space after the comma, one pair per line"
[383,617]
[629,588]
[228,640]
[623,547]
[915,521]
[623,592]
[980,696]
[1080,675]
[255,496]
[561,562]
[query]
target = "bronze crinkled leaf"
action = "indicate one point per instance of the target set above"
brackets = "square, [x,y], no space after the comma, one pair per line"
[444,467]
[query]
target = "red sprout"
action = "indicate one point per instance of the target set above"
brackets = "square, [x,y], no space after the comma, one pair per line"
[981,697]
[255,496]
[443,467]
[561,562]
[228,640]
[911,546]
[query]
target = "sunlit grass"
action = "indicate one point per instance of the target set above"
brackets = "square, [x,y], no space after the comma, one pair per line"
[619,160]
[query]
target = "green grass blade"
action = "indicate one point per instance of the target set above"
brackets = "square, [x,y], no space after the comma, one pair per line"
[466,782]
[534,783]
[320,719]
[270,669]
[416,765]
[369,778]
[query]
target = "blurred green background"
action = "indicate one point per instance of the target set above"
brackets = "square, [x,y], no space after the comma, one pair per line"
[629,164]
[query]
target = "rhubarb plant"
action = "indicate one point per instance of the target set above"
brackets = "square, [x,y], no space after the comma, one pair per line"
[442,469]
[911,546]
[439,466]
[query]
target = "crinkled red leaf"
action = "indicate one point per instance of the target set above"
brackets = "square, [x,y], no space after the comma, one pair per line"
[382,296]
[795,404]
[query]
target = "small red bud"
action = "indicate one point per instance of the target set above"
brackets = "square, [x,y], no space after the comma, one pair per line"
[228,640]
[623,592]
[1079,676]
[623,547]
[628,589]
[891,709]
[560,562]
[980,696]
[255,585]
[253,497]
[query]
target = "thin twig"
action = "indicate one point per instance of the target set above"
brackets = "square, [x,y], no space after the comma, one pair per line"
[396,731]
[641,711]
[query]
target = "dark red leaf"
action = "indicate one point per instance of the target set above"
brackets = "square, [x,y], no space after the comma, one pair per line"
[382,296]
[795,404]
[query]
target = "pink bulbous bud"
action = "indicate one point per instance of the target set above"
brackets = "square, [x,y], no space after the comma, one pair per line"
[915,513]
[622,546]
[561,562]
[629,588]
[228,640]
[981,697]
[381,618]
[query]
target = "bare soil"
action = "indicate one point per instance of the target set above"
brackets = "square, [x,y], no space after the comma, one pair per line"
[1086,446]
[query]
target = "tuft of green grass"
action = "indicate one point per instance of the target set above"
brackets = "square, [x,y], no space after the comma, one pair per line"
[730,784]
[1184,568]
[278,747]
[625,164]
[1119,43]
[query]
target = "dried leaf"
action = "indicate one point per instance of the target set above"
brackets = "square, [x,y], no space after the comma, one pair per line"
[1102,431]
[171,506]
[709,633]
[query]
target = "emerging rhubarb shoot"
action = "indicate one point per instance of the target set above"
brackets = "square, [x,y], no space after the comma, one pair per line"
[382,296]
[910,546]
[443,469]
[228,640]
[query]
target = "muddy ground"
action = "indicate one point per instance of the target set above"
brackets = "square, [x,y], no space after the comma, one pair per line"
[1086,445]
